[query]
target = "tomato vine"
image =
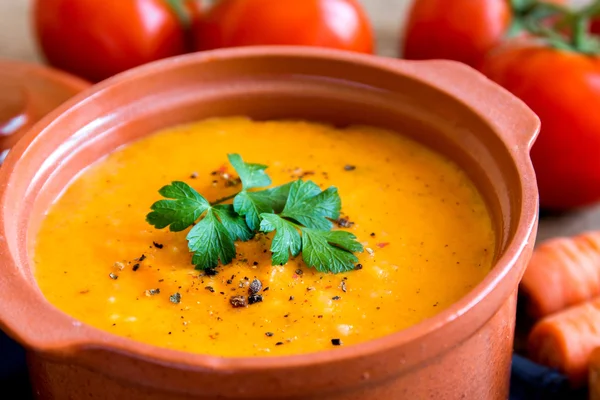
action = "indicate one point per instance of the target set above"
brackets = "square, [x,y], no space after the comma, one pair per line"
[562,27]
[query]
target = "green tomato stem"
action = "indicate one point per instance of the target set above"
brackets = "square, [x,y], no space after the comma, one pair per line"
[526,15]
[583,41]
[581,25]
[516,27]
[520,7]
[569,31]
[181,12]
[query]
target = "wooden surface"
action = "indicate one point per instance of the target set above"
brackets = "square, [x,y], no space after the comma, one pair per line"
[16,42]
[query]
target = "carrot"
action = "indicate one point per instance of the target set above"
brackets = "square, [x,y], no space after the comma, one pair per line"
[565,340]
[562,272]
[595,375]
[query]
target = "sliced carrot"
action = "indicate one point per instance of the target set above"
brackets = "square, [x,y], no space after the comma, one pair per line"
[562,272]
[595,375]
[565,340]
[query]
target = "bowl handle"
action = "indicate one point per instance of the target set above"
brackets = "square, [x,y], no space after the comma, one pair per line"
[27,93]
[510,117]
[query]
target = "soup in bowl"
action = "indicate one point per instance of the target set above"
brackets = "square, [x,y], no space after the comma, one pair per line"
[426,231]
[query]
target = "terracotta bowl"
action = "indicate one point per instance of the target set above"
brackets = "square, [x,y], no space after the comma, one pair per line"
[462,353]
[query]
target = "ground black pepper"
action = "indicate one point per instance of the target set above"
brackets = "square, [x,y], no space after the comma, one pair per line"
[336,342]
[152,292]
[136,267]
[255,298]
[158,245]
[255,286]
[175,299]
[113,276]
[343,286]
[210,289]
[238,301]
[344,223]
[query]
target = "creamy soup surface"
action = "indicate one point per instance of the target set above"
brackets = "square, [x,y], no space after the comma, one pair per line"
[428,232]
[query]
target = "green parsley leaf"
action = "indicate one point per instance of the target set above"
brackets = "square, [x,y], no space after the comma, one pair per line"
[233,223]
[253,204]
[285,241]
[329,251]
[311,207]
[252,175]
[323,249]
[211,239]
[181,212]
[210,242]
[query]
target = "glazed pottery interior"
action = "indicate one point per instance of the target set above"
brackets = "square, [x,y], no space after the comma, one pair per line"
[273,85]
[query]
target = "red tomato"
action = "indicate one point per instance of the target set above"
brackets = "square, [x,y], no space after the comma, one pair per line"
[562,88]
[340,24]
[460,30]
[95,40]
[463,31]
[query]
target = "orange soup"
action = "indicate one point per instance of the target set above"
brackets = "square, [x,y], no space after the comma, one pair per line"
[427,234]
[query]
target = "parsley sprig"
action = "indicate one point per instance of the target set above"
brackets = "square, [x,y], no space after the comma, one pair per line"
[299,213]
[304,226]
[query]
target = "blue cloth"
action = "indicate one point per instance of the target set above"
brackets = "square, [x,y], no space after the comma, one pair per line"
[529,381]
[13,370]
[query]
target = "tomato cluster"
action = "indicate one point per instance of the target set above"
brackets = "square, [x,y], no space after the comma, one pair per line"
[95,40]
[553,70]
